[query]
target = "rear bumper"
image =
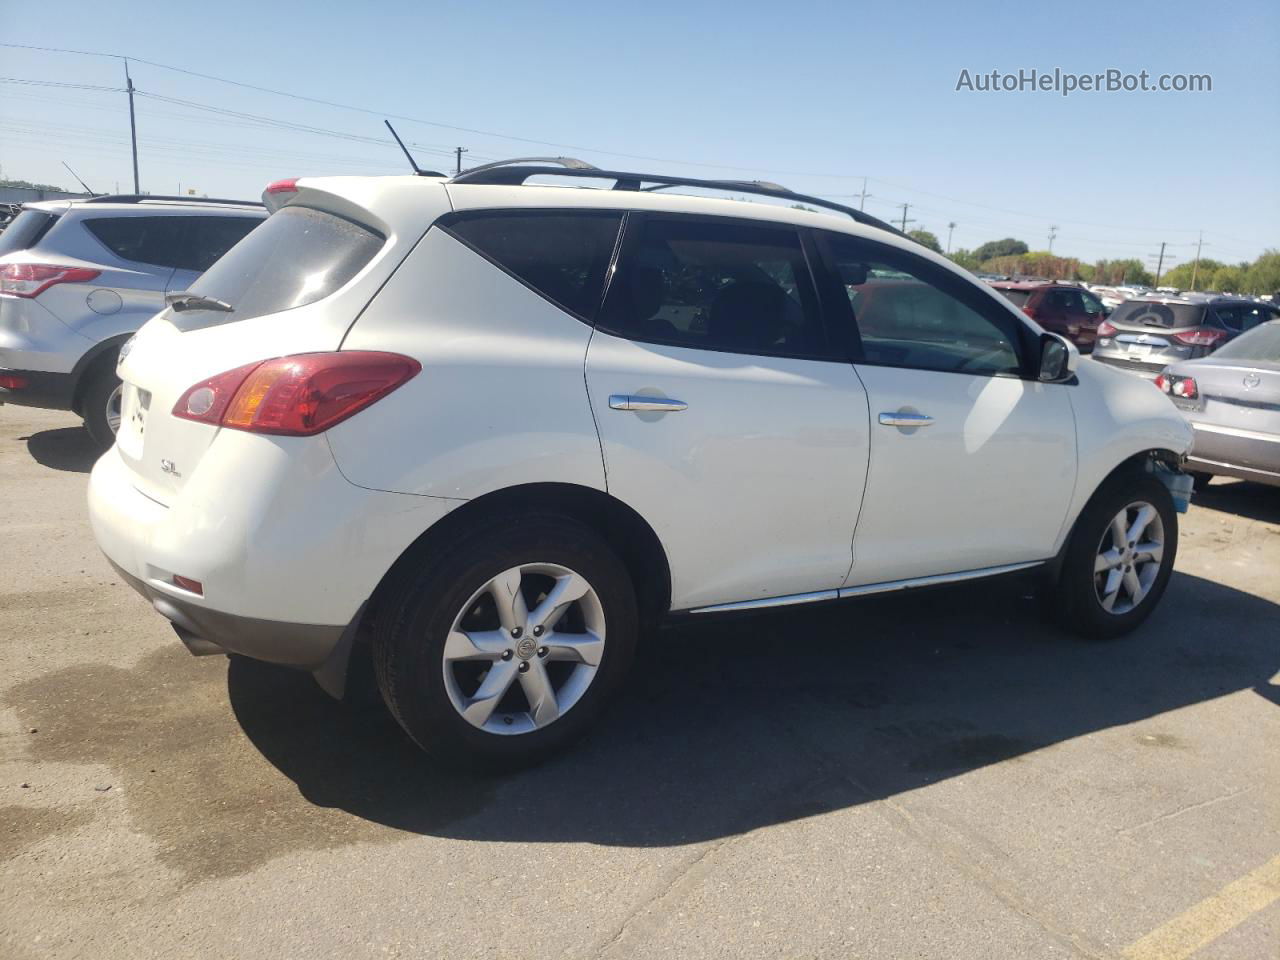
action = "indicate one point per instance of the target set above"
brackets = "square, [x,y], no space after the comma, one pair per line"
[286,549]
[53,391]
[1228,451]
[203,630]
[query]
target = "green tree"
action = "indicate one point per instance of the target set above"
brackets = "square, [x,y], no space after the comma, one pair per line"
[1263,276]
[964,258]
[926,238]
[1008,247]
[1180,276]
[1229,279]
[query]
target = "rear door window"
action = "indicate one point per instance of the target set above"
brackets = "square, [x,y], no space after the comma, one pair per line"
[153,240]
[717,285]
[1228,317]
[208,238]
[295,257]
[561,255]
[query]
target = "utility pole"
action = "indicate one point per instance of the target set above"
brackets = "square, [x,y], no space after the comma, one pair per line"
[1053,232]
[905,221]
[950,227]
[459,151]
[862,197]
[133,126]
[1159,266]
[1195,267]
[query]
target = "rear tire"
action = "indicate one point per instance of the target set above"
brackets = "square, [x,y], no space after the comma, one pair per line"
[100,404]
[475,680]
[1111,580]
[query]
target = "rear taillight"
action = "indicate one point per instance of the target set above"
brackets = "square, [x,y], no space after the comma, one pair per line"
[33,279]
[1201,337]
[1182,387]
[283,186]
[11,381]
[1106,329]
[1030,311]
[296,396]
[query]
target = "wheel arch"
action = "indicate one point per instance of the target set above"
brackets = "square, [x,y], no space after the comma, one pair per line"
[622,528]
[93,359]
[1142,461]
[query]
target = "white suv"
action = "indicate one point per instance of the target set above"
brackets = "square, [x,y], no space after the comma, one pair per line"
[491,432]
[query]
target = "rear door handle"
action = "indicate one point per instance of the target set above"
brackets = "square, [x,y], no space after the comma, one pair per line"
[626,401]
[905,420]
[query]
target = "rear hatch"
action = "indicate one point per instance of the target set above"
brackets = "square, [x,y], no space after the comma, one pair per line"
[294,285]
[1150,328]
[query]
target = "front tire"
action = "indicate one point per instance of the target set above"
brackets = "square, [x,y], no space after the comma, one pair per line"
[1119,557]
[506,648]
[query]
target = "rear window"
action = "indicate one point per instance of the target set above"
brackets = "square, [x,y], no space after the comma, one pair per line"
[1142,314]
[1260,343]
[295,257]
[1018,298]
[25,231]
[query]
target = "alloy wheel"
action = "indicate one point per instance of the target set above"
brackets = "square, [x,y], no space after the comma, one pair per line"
[1128,558]
[524,649]
[114,400]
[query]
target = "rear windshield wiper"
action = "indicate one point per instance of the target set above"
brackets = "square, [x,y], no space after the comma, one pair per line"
[194,301]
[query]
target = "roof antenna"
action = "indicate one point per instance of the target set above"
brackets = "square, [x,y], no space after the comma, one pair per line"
[412,163]
[82,183]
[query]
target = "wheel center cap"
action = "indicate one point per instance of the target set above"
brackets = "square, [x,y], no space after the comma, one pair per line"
[526,648]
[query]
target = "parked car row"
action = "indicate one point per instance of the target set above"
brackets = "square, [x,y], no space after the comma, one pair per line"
[483,431]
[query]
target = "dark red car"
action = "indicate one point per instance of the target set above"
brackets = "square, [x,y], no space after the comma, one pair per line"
[1060,308]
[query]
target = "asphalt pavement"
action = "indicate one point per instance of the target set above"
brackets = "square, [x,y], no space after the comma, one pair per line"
[916,776]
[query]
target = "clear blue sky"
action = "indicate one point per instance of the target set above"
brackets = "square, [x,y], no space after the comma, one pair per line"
[813,95]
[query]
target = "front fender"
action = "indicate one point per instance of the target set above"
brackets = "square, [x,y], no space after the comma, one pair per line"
[1118,416]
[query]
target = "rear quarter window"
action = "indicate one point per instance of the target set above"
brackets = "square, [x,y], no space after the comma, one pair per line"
[295,257]
[153,240]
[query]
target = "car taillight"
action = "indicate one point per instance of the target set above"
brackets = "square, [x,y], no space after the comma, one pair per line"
[1030,311]
[296,396]
[1182,387]
[33,279]
[1106,329]
[1202,337]
[11,381]
[283,186]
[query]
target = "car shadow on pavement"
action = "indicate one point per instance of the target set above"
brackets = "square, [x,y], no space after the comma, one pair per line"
[739,724]
[1254,501]
[67,448]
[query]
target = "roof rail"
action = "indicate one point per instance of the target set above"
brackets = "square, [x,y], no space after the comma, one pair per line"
[569,163]
[140,197]
[516,172]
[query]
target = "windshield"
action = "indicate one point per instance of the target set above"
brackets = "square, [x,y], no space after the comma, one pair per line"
[1143,313]
[1260,343]
[25,229]
[295,257]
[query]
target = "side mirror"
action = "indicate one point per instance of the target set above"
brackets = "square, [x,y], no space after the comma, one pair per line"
[1058,358]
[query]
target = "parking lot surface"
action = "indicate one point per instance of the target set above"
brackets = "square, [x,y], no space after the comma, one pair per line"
[932,775]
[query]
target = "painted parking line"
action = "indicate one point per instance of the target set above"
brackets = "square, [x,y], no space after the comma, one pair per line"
[1211,917]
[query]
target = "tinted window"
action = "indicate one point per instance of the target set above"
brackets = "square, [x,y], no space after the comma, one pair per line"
[295,257]
[1092,304]
[208,238]
[1144,314]
[561,255]
[153,240]
[25,230]
[716,285]
[910,313]
[1250,317]
[1062,301]
[1229,317]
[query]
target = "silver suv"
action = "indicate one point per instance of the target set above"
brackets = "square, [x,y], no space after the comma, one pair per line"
[1146,334]
[78,277]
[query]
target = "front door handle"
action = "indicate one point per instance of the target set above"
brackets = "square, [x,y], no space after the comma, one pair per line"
[625,401]
[905,420]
